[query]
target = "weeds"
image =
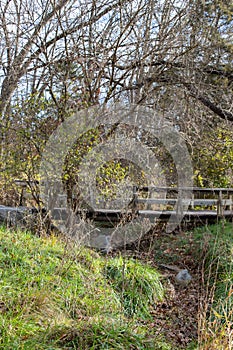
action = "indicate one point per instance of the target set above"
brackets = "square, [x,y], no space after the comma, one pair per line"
[56,296]
[138,285]
[216,298]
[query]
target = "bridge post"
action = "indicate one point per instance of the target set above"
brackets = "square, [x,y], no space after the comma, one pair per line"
[220,204]
[134,199]
[230,206]
[179,208]
[192,201]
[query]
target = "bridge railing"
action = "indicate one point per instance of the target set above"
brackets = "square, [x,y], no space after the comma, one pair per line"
[169,198]
[219,199]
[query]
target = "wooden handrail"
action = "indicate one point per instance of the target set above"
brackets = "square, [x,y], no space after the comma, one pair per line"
[25,183]
[180,201]
[184,189]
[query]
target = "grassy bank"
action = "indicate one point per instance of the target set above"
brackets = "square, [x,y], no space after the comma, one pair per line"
[58,296]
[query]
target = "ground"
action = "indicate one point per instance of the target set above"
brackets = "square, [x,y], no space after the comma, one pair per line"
[177,316]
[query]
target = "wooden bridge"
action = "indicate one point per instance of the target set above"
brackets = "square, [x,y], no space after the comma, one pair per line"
[192,204]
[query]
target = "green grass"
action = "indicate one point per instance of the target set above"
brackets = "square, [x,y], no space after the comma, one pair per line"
[216,315]
[138,285]
[216,251]
[54,295]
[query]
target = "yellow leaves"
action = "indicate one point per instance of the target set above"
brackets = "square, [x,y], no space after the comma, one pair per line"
[198,178]
[213,158]
[109,176]
[66,177]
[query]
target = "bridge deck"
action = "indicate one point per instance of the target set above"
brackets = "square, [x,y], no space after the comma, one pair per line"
[115,215]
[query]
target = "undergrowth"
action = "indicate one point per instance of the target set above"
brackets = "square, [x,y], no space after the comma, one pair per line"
[55,295]
[137,294]
[216,300]
[209,251]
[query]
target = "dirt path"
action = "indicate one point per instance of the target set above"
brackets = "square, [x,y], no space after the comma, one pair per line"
[176,318]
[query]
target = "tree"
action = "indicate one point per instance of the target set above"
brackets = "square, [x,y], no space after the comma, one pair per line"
[58,57]
[126,48]
[213,164]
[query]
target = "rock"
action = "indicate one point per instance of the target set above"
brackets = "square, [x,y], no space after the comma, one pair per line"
[183,278]
[15,216]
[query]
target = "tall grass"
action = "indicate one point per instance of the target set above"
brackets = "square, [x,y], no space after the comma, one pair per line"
[54,295]
[215,319]
[138,286]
